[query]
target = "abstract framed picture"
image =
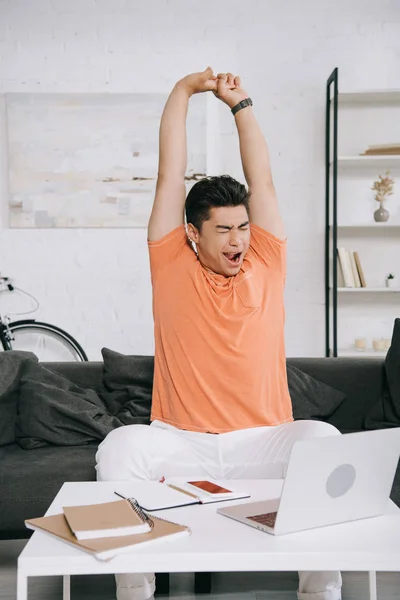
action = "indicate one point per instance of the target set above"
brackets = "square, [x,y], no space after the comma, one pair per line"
[91,160]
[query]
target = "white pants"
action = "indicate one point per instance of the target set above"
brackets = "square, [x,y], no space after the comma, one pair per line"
[160,450]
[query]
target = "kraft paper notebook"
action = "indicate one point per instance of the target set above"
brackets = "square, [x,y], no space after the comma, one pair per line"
[109,519]
[174,493]
[107,548]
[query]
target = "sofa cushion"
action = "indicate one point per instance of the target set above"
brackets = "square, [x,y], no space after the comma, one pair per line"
[128,383]
[54,410]
[29,481]
[386,412]
[311,399]
[11,366]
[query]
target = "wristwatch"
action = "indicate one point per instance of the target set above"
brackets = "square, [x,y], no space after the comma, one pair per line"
[242,104]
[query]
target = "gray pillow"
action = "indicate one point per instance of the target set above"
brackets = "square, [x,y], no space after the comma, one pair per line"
[128,381]
[311,399]
[11,365]
[54,410]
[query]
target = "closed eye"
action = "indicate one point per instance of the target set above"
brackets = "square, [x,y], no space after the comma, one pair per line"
[225,228]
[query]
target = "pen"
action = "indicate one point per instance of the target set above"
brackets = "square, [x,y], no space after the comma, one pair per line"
[178,489]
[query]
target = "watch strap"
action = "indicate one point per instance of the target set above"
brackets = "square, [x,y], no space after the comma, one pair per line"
[242,104]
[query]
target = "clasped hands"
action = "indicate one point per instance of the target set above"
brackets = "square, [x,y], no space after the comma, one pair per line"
[225,86]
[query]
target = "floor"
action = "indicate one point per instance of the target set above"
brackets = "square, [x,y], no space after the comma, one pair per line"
[225,586]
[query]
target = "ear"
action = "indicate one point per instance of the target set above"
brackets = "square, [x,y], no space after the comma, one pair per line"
[193,233]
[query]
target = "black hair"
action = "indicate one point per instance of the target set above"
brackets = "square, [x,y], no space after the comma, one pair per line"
[213,192]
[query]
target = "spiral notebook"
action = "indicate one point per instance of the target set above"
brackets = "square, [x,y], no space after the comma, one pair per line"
[109,519]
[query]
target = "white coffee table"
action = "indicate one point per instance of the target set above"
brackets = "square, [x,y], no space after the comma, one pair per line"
[218,544]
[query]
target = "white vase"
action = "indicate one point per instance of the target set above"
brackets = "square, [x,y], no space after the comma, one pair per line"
[391,283]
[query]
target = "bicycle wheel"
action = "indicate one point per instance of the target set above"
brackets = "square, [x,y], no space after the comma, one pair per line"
[48,342]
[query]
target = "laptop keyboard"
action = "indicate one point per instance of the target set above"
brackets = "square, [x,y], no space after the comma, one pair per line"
[267,519]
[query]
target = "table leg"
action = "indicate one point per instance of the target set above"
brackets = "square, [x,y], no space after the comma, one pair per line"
[66,587]
[372,585]
[22,586]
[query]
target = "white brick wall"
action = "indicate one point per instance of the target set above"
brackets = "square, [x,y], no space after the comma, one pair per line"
[95,283]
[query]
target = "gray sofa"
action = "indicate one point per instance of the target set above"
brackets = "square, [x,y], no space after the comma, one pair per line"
[29,479]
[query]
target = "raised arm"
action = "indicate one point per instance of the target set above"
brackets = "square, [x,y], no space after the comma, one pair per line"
[264,209]
[169,201]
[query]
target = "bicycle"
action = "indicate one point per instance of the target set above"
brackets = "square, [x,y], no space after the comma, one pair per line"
[48,342]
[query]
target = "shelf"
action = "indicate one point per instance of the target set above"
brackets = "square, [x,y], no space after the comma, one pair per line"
[389,161]
[369,97]
[369,353]
[369,226]
[367,290]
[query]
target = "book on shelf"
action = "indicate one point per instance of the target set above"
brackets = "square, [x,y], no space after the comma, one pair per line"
[351,272]
[382,150]
[356,277]
[360,270]
[345,264]
[340,276]
[109,519]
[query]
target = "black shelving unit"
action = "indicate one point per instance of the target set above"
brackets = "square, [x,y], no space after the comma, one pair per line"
[331,158]
[334,103]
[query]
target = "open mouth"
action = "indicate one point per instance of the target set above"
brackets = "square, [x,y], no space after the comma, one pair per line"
[233,258]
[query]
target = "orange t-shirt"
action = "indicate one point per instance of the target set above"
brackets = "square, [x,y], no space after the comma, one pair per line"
[220,362]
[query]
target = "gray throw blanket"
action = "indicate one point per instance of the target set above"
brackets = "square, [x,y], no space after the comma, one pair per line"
[39,407]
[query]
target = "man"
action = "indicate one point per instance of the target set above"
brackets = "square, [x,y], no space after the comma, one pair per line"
[221,406]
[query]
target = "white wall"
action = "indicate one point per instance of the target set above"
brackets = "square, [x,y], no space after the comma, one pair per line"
[284,51]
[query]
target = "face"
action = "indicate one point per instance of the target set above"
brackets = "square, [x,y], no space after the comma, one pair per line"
[223,240]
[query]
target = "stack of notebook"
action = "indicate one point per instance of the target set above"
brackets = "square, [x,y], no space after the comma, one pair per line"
[108,529]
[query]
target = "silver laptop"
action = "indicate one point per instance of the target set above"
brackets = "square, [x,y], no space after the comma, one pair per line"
[328,480]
